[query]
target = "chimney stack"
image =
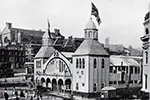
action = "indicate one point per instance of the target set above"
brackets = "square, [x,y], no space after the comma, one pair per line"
[9,25]
[57,31]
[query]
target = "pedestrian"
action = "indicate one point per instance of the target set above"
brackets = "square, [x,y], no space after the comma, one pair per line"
[17,98]
[31,98]
[26,94]
[6,95]
[22,94]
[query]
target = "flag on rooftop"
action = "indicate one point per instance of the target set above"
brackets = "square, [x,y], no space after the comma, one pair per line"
[49,28]
[95,13]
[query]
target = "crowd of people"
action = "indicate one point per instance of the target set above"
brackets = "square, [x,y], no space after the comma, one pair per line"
[21,94]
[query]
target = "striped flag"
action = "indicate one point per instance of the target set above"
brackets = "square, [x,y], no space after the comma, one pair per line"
[95,13]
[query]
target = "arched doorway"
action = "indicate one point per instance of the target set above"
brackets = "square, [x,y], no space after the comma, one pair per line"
[60,84]
[68,84]
[54,84]
[48,83]
[43,82]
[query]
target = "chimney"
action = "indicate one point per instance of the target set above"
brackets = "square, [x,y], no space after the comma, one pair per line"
[9,25]
[57,31]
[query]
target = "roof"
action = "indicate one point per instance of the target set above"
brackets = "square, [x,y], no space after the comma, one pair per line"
[107,88]
[92,47]
[90,25]
[125,60]
[45,52]
[28,31]
[67,54]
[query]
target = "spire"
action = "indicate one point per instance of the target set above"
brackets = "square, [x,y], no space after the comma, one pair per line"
[49,33]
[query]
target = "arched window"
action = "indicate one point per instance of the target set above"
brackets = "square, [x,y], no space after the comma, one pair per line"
[80,63]
[146,57]
[95,63]
[60,66]
[77,63]
[103,63]
[77,86]
[146,31]
[83,63]
[95,87]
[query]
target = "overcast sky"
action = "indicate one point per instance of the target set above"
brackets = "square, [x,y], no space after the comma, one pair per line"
[122,20]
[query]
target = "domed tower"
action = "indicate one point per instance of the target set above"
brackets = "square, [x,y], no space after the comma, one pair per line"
[43,54]
[90,64]
[90,31]
[46,39]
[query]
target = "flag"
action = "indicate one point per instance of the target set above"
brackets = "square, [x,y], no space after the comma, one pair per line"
[49,33]
[95,13]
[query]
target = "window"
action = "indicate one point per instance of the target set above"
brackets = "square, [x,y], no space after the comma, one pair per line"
[119,68]
[136,70]
[60,66]
[123,68]
[94,87]
[131,81]
[110,82]
[135,81]
[38,64]
[95,63]
[145,81]
[119,82]
[103,63]
[115,69]
[77,63]
[131,70]
[127,69]
[82,84]
[82,72]
[83,63]
[146,58]
[115,82]
[110,69]
[102,86]
[146,31]
[77,86]
[80,63]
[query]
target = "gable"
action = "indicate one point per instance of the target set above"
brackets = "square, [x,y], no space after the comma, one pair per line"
[5,30]
[58,64]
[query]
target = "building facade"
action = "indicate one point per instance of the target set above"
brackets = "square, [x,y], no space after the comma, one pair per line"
[146,54]
[85,70]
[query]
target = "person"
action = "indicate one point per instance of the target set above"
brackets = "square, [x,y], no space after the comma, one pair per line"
[17,98]
[31,98]
[22,94]
[6,95]
[26,94]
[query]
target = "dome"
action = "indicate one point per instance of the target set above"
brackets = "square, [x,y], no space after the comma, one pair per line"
[90,25]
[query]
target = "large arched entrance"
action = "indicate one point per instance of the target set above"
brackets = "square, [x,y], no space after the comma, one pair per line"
[60,84]
[68,84]
[48,83]
[54,84]
[43,82]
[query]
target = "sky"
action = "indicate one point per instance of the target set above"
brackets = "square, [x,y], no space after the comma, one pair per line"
[122,20]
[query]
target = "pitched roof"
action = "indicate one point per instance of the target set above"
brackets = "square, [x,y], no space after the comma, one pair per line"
[28,31]
[45,52]
[91,47]
[126,60]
